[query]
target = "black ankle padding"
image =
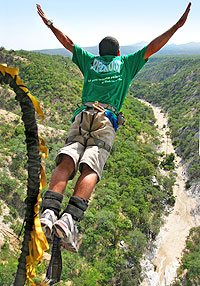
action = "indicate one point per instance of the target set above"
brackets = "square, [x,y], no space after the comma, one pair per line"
[79,202]
[53,195]
[76,207]
[52,200]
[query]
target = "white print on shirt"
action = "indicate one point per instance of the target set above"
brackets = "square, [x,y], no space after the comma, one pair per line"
[108,79]
[101,67]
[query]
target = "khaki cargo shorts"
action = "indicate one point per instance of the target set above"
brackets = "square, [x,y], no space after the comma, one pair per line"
[89,141]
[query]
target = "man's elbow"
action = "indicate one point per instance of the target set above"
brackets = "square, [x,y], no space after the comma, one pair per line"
[149,52]
[152,48]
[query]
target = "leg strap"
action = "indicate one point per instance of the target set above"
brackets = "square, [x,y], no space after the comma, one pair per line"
[76,207]
[52,200]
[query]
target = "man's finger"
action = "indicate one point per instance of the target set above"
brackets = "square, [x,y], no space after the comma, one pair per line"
[187,10]
[188,7]
[39,8]
[40,12]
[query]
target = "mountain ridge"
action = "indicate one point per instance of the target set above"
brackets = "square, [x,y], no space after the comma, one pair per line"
[192,48]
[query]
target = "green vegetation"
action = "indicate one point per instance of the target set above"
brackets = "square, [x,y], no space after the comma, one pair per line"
[189,272]
[125,212]
[168,162]
[173,84]
[54,80]
[8,265]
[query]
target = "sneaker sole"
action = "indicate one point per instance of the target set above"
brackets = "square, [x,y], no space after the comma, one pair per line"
[69,247]
[65,235]
[46,227]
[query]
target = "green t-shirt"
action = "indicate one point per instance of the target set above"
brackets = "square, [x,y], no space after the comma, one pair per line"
[107,78]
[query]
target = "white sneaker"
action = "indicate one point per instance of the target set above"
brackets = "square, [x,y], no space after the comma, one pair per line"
[66,229]
[47,220]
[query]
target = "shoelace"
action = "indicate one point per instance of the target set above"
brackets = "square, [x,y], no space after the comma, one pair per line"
[69,221]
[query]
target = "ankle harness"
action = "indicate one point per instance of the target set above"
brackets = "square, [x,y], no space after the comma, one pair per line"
[52,200]
[76,207]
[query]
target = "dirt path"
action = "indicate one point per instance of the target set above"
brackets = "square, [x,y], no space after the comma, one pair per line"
[161,263]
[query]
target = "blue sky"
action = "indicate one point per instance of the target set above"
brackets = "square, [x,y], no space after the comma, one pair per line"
[86,22]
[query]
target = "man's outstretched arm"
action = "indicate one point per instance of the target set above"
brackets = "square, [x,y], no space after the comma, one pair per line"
[160,41]
[63,39]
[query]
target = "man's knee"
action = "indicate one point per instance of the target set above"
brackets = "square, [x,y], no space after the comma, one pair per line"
[86,169]
[66,164]
[65,160]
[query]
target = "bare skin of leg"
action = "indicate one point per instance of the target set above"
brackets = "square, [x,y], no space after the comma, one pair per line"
[85,184]
[61,174]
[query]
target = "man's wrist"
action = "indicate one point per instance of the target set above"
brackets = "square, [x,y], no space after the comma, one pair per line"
[49,23]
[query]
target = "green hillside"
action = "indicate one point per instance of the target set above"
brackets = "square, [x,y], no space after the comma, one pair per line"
[173,84]
[126,206]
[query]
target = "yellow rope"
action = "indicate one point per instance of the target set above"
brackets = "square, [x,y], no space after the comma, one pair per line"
[38,243]
[14,72]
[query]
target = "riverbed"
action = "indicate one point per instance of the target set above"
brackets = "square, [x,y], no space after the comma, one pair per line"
[161,262]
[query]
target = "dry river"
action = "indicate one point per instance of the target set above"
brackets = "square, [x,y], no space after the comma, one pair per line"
[160,264]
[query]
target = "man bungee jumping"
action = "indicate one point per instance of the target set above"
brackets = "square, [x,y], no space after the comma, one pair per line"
[107,78]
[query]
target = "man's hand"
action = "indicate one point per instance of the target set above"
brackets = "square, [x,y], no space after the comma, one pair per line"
[160,41]
[183,18]
[41,14]
[63,39]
